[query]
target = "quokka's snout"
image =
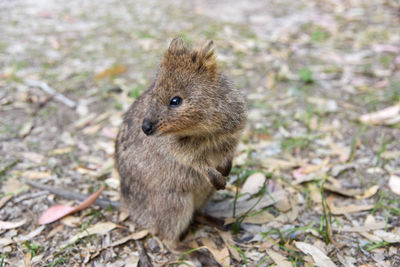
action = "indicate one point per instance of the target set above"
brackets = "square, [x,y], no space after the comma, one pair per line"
[149,127]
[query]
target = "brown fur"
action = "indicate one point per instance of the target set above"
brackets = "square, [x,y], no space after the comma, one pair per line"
[165,178]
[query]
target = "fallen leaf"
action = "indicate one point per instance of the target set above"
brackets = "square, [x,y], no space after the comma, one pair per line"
[55,230]
[36,174]
[363,228]
[112,71]
[31,235]
[389,115]
[319,257]
[100,228]
[315,193]
[302,177]
[56,212]
[259,218]
[368,193]
[27,259]
[387,236]
[341,151]
[338,169]
[32,156]
[343,191]
[347,209]
[61,151]
[26,128]
[229,243]
[133,236]
[280,260]
[71,221]
[132,261]
[90,130]
[5,199]
[5,242]
[221,255]
[277,164]
[347,261]
[253,183]
[11,225]
[371,237]
[224,209]
[85,120]
[394,184]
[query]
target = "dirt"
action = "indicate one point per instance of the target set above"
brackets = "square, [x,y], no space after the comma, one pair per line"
[309,69]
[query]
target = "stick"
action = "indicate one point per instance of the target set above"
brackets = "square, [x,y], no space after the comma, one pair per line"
[45,87]
[102,202]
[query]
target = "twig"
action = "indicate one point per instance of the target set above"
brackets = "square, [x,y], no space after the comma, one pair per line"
[45,87]
[104,203]
[4,170]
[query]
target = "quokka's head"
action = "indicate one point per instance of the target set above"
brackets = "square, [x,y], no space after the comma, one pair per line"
[185,93]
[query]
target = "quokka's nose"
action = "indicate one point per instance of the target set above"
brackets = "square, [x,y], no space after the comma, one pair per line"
[148,127]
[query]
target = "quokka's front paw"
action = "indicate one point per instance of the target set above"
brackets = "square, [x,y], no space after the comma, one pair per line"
[216,179]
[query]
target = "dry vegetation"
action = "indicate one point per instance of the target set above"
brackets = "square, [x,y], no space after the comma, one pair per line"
[316,181]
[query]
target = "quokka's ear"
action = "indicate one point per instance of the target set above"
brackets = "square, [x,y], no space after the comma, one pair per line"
[177,46]
[204,59]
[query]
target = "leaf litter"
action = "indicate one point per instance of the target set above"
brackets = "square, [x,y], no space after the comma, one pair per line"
[320,151]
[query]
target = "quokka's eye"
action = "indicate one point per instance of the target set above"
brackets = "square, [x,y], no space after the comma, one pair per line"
[176,101]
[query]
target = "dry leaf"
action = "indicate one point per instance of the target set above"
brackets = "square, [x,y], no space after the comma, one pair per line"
[259,218]
[315,193]
[27,259]
[363,228]
[394,184]
[112,71]
[343,191]
[5,199]
[132,261]
[5,242]
[371,237]
[253,183]
[368,193]
[90,130]
[133,236]
[224,209]
[229,243]
[31,235]
[99,228]
[61,151]
[55,230]
[221,255]
[341,151]
[26,128]
[347,209]
[11,225]
[389,115]
[277,164]
[319,257]
[56,212]
[71,221]
[302,177]
[32,156]
[280,260]
[310,172]
[36,174]
[387,236]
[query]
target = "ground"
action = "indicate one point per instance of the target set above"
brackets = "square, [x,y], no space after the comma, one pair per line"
[310,70]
